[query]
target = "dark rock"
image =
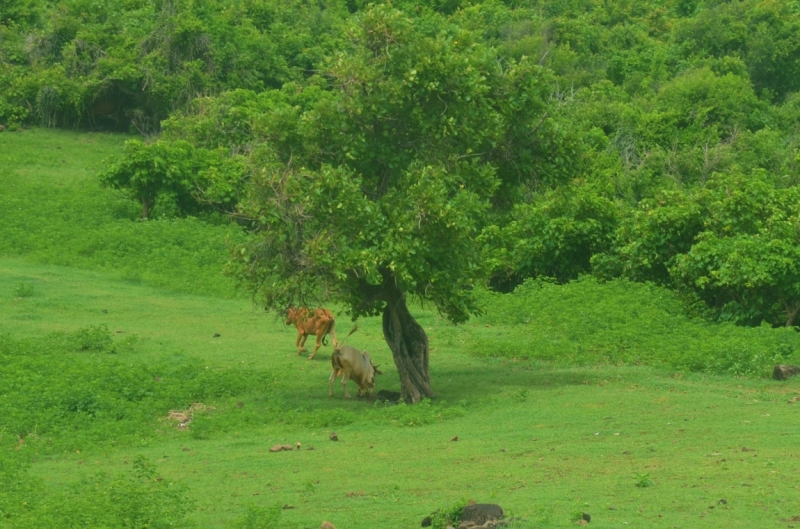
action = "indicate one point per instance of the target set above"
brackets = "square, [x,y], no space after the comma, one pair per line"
[784,372]
[586,516]
[480,513]
[217,335]
[334,437]
[426,522]
[723,501]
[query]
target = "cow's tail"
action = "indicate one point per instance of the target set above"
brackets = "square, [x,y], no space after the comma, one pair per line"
[330,332]
[354,329]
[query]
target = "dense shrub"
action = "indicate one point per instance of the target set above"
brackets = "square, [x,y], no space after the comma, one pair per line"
[619,322]
[128,65]
[139,498]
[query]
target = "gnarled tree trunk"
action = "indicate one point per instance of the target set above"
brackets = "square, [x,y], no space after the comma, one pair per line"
[409,345]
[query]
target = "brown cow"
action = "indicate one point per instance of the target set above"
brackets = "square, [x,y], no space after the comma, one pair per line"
[351,363]
[320,325]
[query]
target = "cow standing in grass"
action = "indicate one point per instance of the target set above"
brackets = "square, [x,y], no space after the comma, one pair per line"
[349,362]
[320,324]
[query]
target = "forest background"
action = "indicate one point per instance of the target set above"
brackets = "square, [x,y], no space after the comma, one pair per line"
[672,127]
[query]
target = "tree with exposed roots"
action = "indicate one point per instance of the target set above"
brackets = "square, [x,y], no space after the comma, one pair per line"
[371,183]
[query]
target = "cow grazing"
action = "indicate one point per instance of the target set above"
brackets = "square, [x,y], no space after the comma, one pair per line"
[351,363]
[320,324]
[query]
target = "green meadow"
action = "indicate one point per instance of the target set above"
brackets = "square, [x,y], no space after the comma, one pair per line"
[598,398]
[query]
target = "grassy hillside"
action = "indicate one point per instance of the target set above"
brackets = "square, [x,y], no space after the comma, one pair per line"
[52,210]
[596,398]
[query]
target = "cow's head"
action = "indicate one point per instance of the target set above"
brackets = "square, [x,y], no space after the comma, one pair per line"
[291,316]
[369,381]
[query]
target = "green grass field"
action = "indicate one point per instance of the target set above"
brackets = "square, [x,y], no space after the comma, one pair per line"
[588,398]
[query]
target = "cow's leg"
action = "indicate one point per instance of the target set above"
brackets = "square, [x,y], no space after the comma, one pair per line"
[331,380]
[303,343]
[344,385]
[319,343]
[297,342]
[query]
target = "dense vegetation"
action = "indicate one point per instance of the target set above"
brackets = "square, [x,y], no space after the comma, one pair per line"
[646,120]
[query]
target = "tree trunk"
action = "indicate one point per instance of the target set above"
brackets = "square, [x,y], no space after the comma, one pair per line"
[409,345]
[792,314]
[145,208]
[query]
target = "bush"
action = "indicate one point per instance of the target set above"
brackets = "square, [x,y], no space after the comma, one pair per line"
[134,500]
[620,322]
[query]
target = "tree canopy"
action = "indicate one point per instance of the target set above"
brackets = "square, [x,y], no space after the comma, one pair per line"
[379,189]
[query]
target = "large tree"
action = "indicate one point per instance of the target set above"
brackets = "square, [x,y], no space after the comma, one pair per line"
[371,183]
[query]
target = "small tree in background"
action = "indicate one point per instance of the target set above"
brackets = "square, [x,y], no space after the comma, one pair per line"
[379,190]
[191,179]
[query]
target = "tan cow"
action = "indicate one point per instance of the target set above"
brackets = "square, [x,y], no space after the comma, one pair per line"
[351,363]
[320,325]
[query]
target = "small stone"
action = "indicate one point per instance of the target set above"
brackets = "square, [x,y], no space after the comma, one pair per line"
[276,448]
[723,501]
[217,335]
[480,513]
[298,445]
[287,447]
[327,525]
[586,516]
[454,438]
[334,437]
